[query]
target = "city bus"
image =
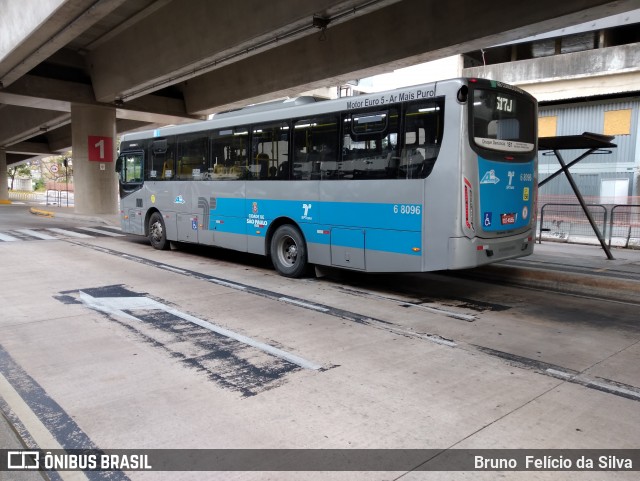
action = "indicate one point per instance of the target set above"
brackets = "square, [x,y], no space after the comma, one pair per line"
[431,177]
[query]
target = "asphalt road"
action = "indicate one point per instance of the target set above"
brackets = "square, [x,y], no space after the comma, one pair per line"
[106,343]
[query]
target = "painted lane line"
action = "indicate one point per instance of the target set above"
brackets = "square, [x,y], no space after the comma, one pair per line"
[69,233]
[628,392]
[102,232]
[36,234]
[559,374]
[7,238]
[46,423]
[603,385]
[306,305]
[408,303]
[38,431]
[172,269]
[440,340]
[445,312]
[117,305]
[228,284]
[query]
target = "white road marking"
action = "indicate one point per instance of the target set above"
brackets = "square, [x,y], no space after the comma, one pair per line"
[103,232]
[7,238]
[69,233]
[36,428]
[228,284]
[445,312]
[560,374]
[117,305]
[36,234]
[608,387]
[173,269]
[303,304]
[590,382]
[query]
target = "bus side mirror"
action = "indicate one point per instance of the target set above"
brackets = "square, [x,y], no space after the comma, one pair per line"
[119,165]
[463,94]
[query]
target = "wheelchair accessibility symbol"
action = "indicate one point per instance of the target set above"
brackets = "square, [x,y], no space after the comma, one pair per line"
[487,219]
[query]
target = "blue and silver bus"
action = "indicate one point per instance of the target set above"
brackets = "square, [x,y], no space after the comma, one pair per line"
[431,177]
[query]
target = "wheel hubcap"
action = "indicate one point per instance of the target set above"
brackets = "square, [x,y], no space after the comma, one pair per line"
[156,231]
[288,251]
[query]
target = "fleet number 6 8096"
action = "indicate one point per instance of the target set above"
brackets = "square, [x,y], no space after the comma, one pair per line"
[406,209]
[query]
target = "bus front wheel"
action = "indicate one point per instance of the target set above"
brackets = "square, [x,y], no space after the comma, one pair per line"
[157,232]
[288,251]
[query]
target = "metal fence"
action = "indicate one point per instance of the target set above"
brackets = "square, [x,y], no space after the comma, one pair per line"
[624,229]
[23,195]
[619,224]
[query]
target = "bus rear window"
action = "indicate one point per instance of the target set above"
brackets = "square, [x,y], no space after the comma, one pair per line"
[503,121]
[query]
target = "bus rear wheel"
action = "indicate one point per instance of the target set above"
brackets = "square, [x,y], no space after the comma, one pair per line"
[157,232]
[288,251]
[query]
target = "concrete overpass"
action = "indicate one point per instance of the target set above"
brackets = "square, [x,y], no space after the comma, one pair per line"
[74,73]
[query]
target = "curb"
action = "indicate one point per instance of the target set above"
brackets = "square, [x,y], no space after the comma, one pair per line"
[65,215]
[44,213]
[583,284]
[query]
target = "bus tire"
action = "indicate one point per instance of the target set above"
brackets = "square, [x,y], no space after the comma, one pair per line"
[289,251]
[158,232]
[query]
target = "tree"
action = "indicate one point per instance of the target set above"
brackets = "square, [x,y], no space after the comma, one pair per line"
[20,170]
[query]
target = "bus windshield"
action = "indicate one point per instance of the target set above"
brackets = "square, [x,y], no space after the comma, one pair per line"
[503,121]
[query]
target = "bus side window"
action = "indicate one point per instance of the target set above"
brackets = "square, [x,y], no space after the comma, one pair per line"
[370,145]
[270,152]
[129,167]
[193,157]
[229,153]
[315,147]
[422,139]
[162,158]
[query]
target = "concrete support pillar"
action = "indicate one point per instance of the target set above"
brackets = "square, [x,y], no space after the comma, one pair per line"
[93,143]
[4,189]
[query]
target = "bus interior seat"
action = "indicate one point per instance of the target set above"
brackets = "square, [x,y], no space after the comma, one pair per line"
[167,169]
[262,160]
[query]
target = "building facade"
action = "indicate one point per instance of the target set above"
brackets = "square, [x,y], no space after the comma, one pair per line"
[586,79]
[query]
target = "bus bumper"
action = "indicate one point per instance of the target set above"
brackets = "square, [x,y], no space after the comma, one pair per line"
[465,253]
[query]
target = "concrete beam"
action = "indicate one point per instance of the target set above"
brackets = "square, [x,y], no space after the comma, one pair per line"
[14,159]
[590,63]
[52,94]
[125,125]
[60,140]
[176,43]
[27,122]
[18,19]
[398,35]
[30,148]
[39,29]
[46,93]
[558,89]
[156,109]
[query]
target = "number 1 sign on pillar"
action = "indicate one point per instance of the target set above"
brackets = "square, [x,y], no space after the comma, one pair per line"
[100,149]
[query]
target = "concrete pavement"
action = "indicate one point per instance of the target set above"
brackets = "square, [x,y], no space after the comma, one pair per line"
[561,266]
